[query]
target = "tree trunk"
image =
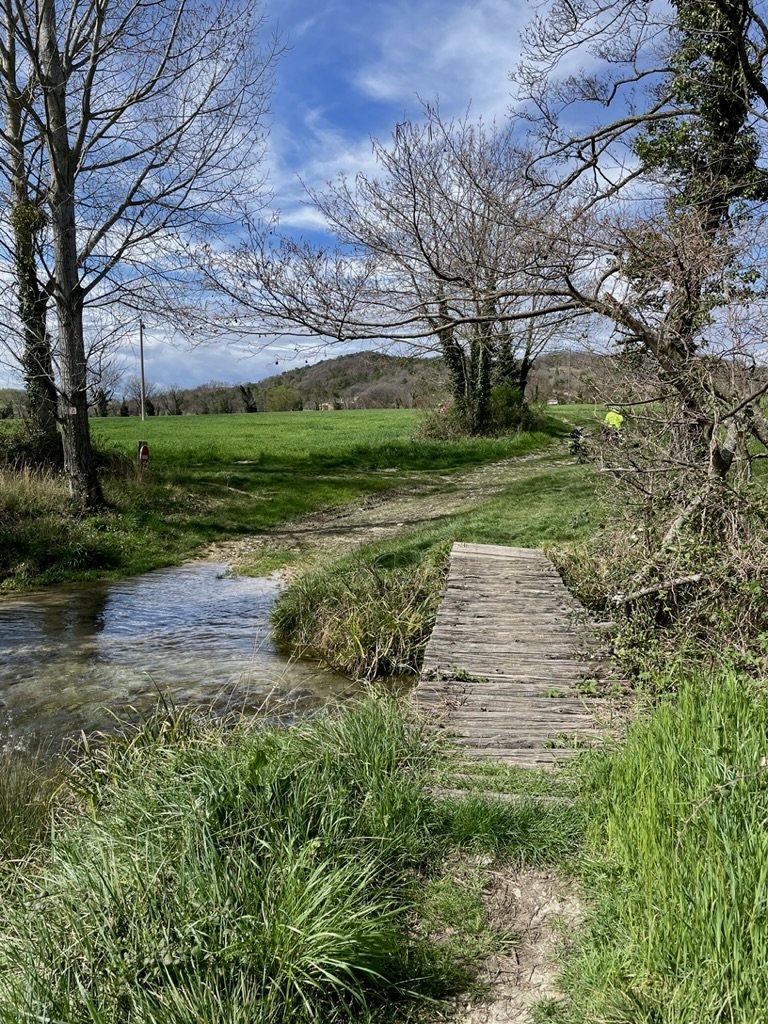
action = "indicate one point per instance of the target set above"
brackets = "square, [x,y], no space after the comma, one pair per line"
[479,381]
[27,220]
[79,462]
[42,396]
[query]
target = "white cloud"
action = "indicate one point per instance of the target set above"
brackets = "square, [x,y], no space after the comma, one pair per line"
[364,68]
[461,53]
[325,151]
[303,217]
[228,360]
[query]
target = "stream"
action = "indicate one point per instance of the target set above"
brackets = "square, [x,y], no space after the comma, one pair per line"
[87,656]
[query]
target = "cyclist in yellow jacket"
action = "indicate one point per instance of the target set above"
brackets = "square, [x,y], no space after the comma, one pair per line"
[613,420]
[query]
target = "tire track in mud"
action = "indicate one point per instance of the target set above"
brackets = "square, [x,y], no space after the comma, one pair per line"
[341,529]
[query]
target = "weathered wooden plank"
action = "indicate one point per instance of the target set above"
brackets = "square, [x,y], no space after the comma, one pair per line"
[529,758]
[535,709]
[551,672]
[462,547]
[498,695]
[487,633]
[516,727]
[507,619]
[531,647]
[513,713]
[540,666]
[493,695]
[546,617]
[579,741]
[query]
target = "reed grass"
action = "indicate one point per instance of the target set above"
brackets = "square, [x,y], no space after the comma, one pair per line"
[25,492]
[364,619]
[28,782]
[261,876]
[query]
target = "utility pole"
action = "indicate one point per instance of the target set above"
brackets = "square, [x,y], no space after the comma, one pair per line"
[141,360]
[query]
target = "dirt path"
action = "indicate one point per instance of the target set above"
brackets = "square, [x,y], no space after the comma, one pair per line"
[538,908]
[379,516]
[541,912]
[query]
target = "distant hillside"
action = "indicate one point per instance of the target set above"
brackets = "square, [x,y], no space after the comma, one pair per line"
[12,402]
[362,380]
[569,376]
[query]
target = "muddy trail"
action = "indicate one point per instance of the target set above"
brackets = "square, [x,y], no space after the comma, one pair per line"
[339,530]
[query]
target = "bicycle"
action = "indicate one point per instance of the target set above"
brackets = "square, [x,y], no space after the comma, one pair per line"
[577,445]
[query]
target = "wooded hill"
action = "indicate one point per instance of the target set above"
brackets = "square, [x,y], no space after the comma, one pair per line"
[371,380]
[361,380]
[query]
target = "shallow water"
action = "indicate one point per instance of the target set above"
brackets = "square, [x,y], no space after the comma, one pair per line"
[80,658]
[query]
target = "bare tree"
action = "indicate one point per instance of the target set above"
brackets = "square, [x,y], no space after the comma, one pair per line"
[432,252]
[143,124]
[656,216]
[103,379]
[132,394]
[660,216]
[172,400]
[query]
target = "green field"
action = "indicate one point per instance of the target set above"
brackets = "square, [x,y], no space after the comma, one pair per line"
[265,437]
[353,440]
[212,478]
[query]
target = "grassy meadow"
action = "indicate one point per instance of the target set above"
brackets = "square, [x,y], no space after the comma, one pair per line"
[212,478]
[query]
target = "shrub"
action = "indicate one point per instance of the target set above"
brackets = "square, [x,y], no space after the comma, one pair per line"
[509,410]
[24,448]
[697,603]
[444,424]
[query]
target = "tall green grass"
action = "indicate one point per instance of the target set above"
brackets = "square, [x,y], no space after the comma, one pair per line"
[261,877]
[28,782]
[678,868]
[364,619]
[208,874]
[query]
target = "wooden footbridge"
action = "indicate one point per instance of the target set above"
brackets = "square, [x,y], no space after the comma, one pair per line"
[504,671]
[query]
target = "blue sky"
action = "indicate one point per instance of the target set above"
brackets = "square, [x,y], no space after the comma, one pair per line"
[352,69]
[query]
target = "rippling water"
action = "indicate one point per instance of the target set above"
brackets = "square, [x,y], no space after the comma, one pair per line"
[72,658]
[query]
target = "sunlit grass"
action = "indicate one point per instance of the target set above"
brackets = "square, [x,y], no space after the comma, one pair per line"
[212,478]
[678,865]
